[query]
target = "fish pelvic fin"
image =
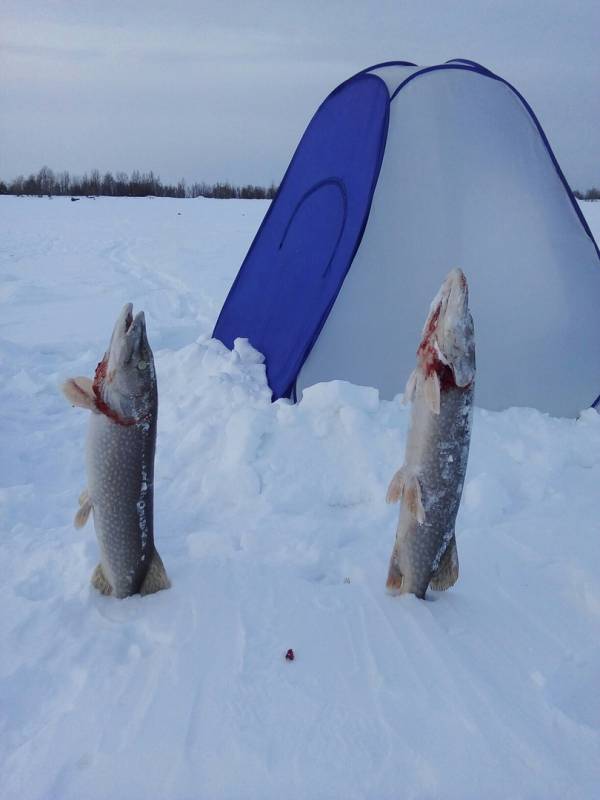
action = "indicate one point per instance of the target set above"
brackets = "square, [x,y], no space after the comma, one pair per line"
[446,574]
[156,577]
[85,506]
[406,487]
[100,582]
[431,392]
[395,578]
[79,392]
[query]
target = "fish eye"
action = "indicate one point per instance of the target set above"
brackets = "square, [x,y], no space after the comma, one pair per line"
[142,364]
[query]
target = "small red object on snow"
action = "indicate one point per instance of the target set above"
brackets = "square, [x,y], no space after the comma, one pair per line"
[289,656]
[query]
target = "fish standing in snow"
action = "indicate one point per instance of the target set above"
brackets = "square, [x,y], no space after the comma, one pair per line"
[120,460]
[430,482]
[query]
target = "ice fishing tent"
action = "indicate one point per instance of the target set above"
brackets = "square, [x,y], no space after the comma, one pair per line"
[403,173]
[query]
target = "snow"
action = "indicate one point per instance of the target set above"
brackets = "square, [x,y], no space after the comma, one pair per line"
[272,524]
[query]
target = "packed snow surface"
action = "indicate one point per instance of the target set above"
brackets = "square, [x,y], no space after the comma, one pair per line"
[272,524]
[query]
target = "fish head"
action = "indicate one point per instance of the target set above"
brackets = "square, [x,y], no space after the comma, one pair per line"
[125,378]
[448,335]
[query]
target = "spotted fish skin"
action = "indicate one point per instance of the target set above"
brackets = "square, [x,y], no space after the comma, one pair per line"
[121,444]
[430,482]
[120,469]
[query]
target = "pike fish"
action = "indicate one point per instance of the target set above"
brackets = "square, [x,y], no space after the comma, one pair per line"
[121,443]
[430,482]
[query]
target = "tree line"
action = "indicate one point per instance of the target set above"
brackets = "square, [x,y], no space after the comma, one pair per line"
[142,184]
[138,184]
[591,194]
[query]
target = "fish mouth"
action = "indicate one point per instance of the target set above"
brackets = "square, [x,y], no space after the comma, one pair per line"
[447,337]
[127,370]
[455,332]
[454,295]
[128,321]
[128,336]
[132,324]
[135,334]
[124,320]
[459,290]
[450,303]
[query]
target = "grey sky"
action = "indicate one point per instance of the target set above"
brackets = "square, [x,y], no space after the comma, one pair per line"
[223,90]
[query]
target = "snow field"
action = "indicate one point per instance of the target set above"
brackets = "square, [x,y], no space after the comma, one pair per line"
[272,524]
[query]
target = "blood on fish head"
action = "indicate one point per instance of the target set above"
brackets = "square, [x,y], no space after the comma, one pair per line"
[448,343]
[125,380]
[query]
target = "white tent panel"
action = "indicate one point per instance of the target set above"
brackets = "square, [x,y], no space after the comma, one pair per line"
[467,181]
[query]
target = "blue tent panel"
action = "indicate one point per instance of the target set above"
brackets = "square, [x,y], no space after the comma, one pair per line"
[305,245]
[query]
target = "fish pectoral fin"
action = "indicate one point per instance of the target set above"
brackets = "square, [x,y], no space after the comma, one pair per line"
[79,392]
[85,506]
[156,577]
[431,391]
[406,487]
[411,388]
[100,582]
[446,574]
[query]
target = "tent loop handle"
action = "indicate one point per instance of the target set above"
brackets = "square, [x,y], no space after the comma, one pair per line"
[339,184]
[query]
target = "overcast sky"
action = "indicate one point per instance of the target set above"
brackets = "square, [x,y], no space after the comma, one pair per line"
[224,90]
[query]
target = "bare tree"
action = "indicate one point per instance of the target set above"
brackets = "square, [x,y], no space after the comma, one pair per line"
[138,185]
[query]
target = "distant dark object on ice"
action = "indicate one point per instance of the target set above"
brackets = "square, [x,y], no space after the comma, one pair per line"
[75,199]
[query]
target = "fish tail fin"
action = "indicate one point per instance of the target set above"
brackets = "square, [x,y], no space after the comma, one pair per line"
[85,506]
[406,487]
[446,574]
[156,577]
[100,582]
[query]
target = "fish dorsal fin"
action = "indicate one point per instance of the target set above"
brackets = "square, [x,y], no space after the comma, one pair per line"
[431,391]
[79,392]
